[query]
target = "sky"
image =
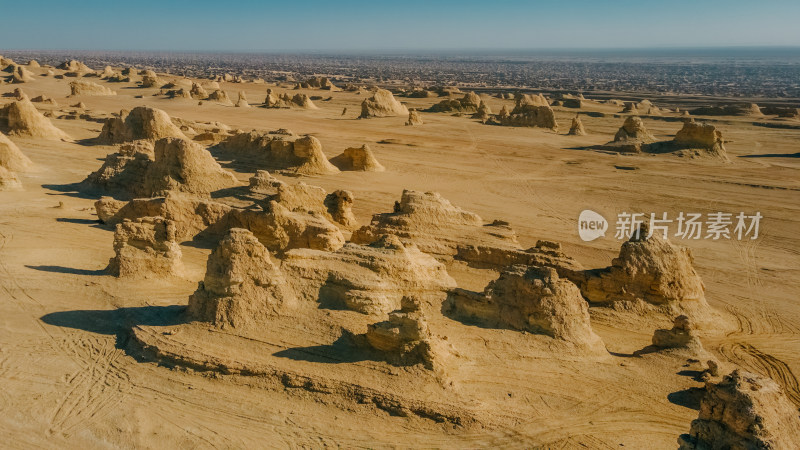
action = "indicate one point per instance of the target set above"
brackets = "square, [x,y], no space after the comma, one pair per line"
[311,25]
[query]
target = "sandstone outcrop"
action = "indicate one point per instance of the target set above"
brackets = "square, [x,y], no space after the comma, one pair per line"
[189,215]
[369,279]
[632,137]
[404,338]
[358,159]
[242,287]
[286,101]
[280,229]
[382,104]
[241,102]
[435,226]
[184,166]
[414,118]
[543,254]
[141,122]
[529,111]
[219,96]
[650,271]
[484,113]
[281,152]
[683,335]
[11,157]
[88,88]
[702,137]
[467,104]
[146,248]
[576,129]
[743,411]
[532,299]
[745,109]
[74,66]
[21,118]
[175,165]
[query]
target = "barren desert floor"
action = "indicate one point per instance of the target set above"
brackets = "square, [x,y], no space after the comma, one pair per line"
[72,378]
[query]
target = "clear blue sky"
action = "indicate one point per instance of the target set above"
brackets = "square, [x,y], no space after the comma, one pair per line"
[247,25]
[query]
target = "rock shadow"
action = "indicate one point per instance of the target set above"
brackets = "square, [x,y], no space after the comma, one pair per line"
[346,349]
[70,270]
[72,190]
[117,322]
[688,398]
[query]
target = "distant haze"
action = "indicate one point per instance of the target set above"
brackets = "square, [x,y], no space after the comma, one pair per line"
[310,25]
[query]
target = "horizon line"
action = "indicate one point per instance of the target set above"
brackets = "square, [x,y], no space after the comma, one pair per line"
[423,50]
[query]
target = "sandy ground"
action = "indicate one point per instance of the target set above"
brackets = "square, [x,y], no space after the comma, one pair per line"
[68,381]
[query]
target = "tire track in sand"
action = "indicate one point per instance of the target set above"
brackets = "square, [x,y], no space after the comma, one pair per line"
[100,381]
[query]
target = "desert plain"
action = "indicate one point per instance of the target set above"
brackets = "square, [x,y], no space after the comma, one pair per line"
[284,316]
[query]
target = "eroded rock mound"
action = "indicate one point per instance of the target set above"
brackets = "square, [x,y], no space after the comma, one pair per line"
[434,225]
[142,122]
[181,165]
[369,279]
[700,136]
[123,172]
[198,92]
[20,75]
[301,197]
[543,254]
[146,248]
[382,104]
[150,79]
[529,111]
[533,299]
[88,88]
[484,113]
[172,165]
[632,137]
[21,118]
[745,109]
[645,107]
[241,102]
[317,83]
[242,286]
[404,338]
[339,204]
[358,159]
[263,183]
[281,229]
[74,66]
[45,100]
[278,152]
[220,96]
[683,335]
[650,270]
[189,215]
[414,118]
[576,129]
[743,411]
[467,104]
[11,157]
[286,101]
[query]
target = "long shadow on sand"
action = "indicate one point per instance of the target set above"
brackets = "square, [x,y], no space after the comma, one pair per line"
[688,398]
[773,155]
[71,190]
[343,350]
[116,322]
[70,270]
[78,221]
